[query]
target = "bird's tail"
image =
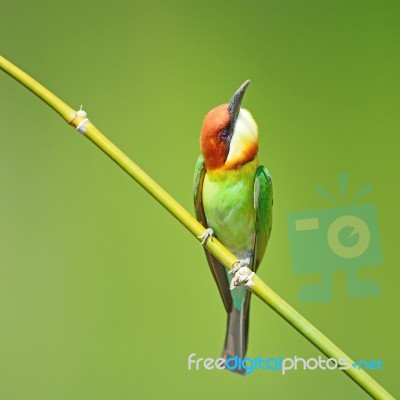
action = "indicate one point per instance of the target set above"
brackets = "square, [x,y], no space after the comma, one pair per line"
[237,336]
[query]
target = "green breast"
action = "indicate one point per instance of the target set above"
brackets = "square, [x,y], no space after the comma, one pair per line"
[229,207]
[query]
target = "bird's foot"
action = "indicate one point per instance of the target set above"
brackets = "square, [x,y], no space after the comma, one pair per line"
[245,262]
[208,233]
[242,274]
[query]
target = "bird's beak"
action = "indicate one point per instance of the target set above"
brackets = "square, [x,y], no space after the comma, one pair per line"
[234,104]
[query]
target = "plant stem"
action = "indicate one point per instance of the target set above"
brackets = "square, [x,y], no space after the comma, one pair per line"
[259,288]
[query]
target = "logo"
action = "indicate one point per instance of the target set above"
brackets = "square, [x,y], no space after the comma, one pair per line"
[345,237]
[280,363]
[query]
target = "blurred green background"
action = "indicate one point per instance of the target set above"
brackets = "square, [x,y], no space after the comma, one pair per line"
[103,295]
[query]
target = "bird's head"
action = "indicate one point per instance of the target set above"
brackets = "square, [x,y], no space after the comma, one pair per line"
[229,136]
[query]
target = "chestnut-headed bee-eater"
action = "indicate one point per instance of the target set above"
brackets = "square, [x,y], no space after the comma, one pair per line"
[233,198]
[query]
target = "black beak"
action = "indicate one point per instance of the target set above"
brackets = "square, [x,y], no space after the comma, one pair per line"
[234,104]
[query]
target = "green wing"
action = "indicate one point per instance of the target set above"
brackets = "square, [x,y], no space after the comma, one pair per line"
[217,269]
[263,205]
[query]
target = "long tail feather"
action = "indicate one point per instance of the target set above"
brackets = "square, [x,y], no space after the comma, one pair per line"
[237,334]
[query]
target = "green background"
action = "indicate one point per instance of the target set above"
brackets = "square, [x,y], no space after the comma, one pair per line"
[103,295]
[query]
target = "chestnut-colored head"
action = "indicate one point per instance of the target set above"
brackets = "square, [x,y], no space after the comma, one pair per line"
[229,136]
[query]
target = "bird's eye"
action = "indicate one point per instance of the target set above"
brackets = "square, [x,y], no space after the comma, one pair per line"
[224,135]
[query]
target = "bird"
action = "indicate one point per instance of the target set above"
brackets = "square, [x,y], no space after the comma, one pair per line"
[233,200]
